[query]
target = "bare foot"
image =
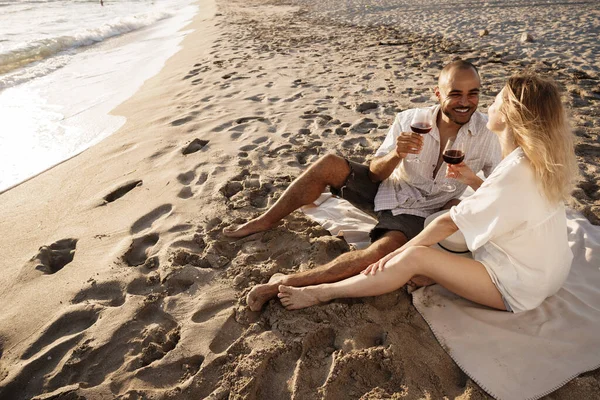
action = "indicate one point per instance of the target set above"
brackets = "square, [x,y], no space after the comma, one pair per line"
[250,227]
[294,298]
[260,294]
[420,280]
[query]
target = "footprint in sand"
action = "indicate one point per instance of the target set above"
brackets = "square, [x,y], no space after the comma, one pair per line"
[170,375]
[183,257]
[53,258]
[195,244]
[258,98]
[121,191]
[106,293]
[181,280]
[202,178]
[44,355]
[294,97]
[248,147]
[68,324]
[358,146]
[185,193]
[147,220]
[315,362]
[231,188]
[365,336]
[144,285]
[186,178]
[348,372]
[177,281]
[182,121]
[363,125]
[137,254]
[181,228]
[194,146]
[260,140]
[196,71]
[229,332]
[274,380]
[276,152]
[143,339]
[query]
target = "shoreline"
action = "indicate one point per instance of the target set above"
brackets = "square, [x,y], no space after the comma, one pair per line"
[48,128]
[151,299]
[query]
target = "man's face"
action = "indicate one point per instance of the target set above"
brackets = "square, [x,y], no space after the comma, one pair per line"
[458,93]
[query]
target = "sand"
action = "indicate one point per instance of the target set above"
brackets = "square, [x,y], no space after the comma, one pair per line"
[116,279]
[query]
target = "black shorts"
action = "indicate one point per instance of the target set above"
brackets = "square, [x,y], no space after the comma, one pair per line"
[360,191]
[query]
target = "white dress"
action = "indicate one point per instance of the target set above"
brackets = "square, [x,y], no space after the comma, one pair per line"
[518,236]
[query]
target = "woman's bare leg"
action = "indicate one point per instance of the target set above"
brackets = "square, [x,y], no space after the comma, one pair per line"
[465,277]
[343,266]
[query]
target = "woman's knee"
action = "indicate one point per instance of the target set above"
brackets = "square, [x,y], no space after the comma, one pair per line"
[414,257]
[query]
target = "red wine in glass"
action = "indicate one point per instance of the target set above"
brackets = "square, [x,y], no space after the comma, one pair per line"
[421,123]
[453,156]
[454,153]
[421,128]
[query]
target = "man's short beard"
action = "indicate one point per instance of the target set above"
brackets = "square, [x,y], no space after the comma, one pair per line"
[449,115]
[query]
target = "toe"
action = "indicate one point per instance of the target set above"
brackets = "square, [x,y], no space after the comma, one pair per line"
[283,289]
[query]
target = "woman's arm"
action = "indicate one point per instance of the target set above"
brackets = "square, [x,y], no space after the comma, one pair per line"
[439,229]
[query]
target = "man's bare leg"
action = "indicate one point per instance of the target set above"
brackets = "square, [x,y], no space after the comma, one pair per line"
[344,266]
[329,170]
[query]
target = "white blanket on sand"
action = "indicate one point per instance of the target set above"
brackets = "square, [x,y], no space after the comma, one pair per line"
[511,356]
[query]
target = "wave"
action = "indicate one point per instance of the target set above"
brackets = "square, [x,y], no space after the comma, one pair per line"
[45,48]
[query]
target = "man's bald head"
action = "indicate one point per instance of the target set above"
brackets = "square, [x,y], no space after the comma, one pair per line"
[458,65]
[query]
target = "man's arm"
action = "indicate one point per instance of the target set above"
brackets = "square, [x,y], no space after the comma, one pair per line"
[382,167]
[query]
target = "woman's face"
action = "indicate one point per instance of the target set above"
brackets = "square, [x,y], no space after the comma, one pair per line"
[496,122]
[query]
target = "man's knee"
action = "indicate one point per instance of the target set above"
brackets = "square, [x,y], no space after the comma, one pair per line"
[333,162]
[390,241]
[333,169]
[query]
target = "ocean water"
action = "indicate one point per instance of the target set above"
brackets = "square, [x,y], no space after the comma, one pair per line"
[65,64]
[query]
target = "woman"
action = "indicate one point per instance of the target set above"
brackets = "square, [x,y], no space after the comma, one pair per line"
[515,223]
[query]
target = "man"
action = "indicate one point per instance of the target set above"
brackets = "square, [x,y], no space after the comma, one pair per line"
[401,194]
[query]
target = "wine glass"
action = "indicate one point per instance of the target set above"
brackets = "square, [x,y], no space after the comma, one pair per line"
[421,123]
[454,153]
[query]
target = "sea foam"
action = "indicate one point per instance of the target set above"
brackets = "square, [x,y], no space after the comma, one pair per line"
[40,57]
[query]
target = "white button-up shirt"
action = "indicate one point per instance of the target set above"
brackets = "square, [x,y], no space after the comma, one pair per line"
[412,188]
[518,236]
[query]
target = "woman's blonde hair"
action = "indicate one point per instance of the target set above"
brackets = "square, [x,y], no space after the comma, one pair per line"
[534,111]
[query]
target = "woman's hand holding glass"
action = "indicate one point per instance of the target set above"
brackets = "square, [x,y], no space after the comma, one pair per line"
[453,154]
[462,173]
